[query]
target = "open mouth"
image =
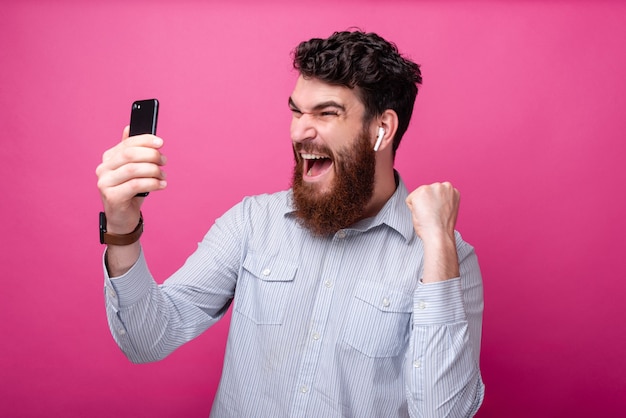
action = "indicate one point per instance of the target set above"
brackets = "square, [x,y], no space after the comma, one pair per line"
[315,165]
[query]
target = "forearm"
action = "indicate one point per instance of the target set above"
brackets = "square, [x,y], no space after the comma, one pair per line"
[119,259]
[440,258]
[434,210]
[149,321]
[444,373]
[134,311]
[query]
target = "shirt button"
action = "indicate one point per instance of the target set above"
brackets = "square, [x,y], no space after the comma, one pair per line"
[417,364]
[328,284]
[266,272]
[341,234]
[304,389]
[386,302]
[121,331]
[421,305]
[316,336]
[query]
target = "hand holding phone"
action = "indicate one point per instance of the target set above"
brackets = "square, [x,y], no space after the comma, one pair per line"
[143,120]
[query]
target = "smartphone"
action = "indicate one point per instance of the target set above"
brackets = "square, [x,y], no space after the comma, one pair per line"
[143,120]
[143,117]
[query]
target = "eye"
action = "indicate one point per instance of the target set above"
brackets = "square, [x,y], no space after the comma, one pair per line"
[328,113]
[296,113]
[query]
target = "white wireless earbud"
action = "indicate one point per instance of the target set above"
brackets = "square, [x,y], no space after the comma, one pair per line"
[379,139]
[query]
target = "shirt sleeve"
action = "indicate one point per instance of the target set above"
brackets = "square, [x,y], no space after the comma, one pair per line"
[148,321]
[443,374]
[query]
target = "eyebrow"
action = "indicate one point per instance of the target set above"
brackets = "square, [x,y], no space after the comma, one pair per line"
[319,106]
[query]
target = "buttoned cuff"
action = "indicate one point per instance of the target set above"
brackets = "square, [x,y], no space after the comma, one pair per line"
[438,303]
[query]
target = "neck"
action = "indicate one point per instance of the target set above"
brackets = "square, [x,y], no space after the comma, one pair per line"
[384,188]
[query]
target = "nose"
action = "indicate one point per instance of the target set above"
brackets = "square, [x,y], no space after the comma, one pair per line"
[302,127]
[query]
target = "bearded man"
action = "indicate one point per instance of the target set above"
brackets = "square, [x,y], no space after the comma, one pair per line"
[351,297]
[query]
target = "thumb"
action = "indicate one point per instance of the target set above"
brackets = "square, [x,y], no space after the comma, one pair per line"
[126,133]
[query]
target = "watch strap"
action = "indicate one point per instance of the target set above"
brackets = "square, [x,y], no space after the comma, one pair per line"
[119,239]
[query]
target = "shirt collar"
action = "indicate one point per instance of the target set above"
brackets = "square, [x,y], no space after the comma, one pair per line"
[395,213]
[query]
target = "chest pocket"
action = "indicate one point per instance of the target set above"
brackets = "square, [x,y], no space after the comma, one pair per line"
[378,321]
[263,288]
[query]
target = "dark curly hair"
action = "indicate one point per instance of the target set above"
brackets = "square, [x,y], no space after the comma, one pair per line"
[381,77]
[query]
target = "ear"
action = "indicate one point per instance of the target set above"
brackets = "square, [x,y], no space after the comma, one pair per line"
[389,122]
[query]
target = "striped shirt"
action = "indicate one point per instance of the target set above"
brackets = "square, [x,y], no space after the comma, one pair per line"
[327,327]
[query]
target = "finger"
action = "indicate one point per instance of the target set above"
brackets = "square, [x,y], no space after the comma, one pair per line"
[444,189]
[418,194]
[144,140]
[131,171]
[118,157]
[124,183]
[128,190]
[126,133]
[141,141]
[129,155]
[118,169]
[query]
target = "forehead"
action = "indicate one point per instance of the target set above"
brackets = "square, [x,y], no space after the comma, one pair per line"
[308,93]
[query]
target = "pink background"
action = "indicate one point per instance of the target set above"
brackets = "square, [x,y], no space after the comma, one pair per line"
[523,108]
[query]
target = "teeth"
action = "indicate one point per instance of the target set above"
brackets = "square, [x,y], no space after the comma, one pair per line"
[312,157]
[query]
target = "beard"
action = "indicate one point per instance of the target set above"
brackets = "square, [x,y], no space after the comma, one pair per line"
[326,212]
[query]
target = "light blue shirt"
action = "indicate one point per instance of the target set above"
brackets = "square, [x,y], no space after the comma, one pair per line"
[321,327]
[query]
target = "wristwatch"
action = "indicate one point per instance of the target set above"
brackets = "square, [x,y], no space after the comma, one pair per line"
[119,239]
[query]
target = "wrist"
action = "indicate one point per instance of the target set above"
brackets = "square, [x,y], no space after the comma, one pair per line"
[111,236]
[440,258]
[121,221]
[438,239]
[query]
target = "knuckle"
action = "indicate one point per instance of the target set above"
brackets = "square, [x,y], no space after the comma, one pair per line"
[130,170]
[155,156]
[127,154]
[107,194]
[134,185]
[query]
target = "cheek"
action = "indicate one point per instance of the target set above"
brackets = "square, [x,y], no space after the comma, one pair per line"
[342,144]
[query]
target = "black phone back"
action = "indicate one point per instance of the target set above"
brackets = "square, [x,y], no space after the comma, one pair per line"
[143,117]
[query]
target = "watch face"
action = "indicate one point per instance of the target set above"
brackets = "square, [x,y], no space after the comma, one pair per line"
[103,226]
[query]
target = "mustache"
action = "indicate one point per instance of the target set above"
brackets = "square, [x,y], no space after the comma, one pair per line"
[309,148]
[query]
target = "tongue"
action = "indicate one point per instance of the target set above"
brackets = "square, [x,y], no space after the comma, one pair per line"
[319,166]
